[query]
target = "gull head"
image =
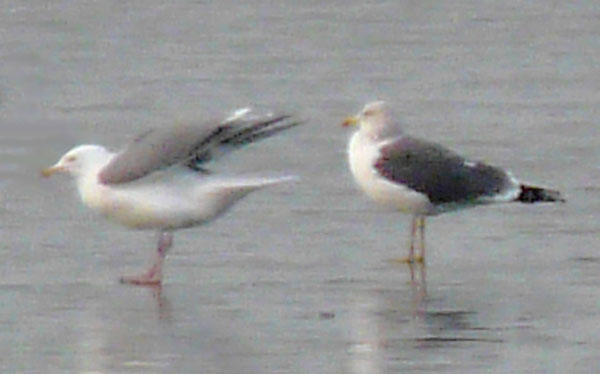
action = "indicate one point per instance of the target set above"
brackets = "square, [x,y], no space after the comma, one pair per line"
[80,161]
[374,120]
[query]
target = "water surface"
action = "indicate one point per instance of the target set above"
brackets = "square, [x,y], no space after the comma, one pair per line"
[297,279]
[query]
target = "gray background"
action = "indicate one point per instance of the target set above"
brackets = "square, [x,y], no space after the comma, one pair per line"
[296,279]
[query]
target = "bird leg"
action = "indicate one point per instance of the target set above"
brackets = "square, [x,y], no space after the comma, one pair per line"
[417,221]
[153,276]
[413,232]
[421,224]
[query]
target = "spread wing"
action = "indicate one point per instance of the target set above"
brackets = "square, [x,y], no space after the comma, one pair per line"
[190,145]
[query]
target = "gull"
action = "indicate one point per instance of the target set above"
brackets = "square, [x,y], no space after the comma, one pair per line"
[160,182]
[423,178]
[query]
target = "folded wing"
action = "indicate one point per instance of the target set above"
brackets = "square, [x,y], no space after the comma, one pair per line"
[442,175]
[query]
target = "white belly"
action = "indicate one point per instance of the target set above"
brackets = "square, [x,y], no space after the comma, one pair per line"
[362,154]
[178,203]
[149,208]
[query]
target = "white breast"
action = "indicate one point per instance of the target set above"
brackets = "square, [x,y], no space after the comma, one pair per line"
[362,154]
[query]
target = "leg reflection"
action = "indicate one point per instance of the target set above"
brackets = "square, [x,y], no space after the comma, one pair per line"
[418,284]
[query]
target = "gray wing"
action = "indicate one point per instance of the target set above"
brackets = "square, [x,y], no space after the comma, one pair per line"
[442,175]
[189,145]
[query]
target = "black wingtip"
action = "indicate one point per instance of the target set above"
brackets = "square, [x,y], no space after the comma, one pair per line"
[531,194]
[236,133]
[260,129]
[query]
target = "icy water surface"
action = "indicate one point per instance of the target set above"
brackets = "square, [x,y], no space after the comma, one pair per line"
[297,279]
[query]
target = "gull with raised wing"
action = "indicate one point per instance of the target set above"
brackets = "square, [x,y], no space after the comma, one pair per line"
[160,181]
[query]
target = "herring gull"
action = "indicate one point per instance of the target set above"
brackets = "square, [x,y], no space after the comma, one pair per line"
[423,178]
[160,181]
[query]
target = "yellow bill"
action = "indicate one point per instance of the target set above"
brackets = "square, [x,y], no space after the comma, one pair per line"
[350,121]
[52,170]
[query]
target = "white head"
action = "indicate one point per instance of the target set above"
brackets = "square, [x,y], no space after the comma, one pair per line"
[80,161]
[375,120]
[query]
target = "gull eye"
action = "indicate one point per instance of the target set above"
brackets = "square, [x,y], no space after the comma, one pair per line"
[368,113]
[71,158]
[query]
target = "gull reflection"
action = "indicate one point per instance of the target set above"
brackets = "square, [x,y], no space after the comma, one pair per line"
[163,306]
[418,284]
[399,323]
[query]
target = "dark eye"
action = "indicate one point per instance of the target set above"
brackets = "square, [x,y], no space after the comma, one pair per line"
[71,158]
[368,113]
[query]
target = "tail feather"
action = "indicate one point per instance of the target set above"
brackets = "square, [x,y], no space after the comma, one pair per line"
[531,194]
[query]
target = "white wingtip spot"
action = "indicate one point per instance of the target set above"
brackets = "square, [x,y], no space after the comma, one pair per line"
[238,114]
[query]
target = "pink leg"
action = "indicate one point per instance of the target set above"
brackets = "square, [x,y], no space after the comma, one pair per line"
[153,276]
